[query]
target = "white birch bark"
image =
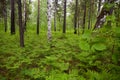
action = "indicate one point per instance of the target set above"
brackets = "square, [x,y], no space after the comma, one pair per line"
[49,2]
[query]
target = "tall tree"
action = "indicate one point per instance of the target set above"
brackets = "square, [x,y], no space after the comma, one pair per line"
[38,17]
[89,14]
[55,10]
[25,14]
[5,15]
[99,6]
[21,29]
[84,16]
[105,11]
[49,19]
[64,22]
[75,16]
[12,16]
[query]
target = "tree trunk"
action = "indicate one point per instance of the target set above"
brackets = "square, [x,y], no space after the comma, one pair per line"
[102,16]
[55,9]
[75,16]
[12,17]
[21,29]
[49,19]
[38,17]
[64,22]
[89,16]
[25,14]
[99,6]
[5,15]
[54,21]
[84,16]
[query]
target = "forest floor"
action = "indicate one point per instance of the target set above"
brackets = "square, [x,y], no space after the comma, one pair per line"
[67,57]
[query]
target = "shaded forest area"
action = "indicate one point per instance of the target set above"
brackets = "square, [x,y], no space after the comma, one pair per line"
[59,39]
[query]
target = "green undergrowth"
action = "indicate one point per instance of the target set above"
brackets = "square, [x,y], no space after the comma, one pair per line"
[89,56]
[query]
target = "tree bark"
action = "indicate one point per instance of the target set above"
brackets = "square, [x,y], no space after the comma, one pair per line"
[55,9]
[25,14]
[89,16]
[12,17]
[99,6]
[21,29]
[38,17]
[49,19]
[64,22]
[84,16]
[102,16]
[75,16]
[5,15]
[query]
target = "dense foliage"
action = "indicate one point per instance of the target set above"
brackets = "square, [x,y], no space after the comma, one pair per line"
[89,50]
[91,56]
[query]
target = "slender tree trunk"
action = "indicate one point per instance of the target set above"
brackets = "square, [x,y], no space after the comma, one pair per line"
[78,26]
[55,6]
[5,16]
[38,17]
[25,15]
[21,29]
[89,15]
[64,22]
[75,16]
[55,22]
[99,6]
[84,16]
[12,17]
[49,19]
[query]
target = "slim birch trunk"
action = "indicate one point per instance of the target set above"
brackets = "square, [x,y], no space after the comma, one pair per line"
[49,2]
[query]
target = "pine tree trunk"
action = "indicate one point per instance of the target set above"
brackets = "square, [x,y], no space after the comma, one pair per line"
[12,17]
[89,16]
[21,29]
[64,22]
[5,16]
[49,19]
[38,17]
[55,6]
[75,16]
[25,15]
[84,16]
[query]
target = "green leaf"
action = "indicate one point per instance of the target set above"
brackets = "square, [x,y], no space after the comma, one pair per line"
[117,30]
[99,46]
[87,34]
[84,45]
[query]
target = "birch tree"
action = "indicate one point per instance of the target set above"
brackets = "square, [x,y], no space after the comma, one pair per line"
[49,2]
[104,12]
